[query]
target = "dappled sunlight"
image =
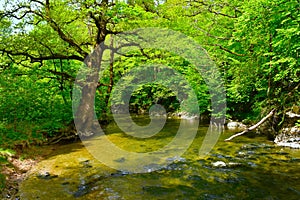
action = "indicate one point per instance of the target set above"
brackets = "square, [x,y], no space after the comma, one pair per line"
[254,168]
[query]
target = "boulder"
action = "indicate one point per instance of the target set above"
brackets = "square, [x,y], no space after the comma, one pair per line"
[289,137]
[234,125]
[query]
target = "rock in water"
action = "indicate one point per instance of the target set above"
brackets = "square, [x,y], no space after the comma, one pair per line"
[219,164]
[234,125]
[289,137]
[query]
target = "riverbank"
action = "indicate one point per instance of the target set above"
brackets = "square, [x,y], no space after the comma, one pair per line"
[15,170]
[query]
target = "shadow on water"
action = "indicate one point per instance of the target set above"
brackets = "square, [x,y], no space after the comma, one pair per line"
[60,149]
[246,168]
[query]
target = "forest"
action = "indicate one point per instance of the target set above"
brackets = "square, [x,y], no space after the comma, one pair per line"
[254,45]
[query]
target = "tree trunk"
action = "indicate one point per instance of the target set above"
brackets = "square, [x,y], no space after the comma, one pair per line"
[85,117]
[111,71]
[270,65]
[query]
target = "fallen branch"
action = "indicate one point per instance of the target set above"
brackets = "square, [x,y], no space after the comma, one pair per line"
[252,127]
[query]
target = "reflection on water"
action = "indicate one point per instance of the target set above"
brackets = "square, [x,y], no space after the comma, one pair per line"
[246,168]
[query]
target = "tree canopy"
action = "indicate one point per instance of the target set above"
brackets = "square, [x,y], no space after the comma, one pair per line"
[255,45]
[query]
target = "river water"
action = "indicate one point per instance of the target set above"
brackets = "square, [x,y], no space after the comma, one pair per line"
[245,168]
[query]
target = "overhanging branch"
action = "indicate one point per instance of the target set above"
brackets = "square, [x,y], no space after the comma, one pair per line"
[212,10]
[41,58]
[227,50]
[61,34]
[252,127]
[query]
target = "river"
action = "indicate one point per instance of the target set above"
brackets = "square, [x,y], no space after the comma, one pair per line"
[245,168]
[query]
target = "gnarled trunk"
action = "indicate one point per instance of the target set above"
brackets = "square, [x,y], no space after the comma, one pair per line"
[85,117]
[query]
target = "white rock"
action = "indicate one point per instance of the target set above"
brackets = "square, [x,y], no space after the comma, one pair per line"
[295,130]
[292,115]
[290,137]
[288,144]
[233,125]
[219,164]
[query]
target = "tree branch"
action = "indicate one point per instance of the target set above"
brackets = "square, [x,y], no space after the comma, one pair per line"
[252,127]
[57,56]
[293,90]
[61,34]
[41,58]
[228,50]
[65,75]
[211,10]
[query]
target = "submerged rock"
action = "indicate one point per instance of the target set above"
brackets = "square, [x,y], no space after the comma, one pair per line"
[234,164]
[82,190]
[152,167]
[120,160]
[46,175]
[176,159]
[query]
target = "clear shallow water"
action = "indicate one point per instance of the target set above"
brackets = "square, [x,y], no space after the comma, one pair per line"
[255,169]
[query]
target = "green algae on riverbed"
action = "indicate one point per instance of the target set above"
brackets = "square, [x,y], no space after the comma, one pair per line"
[254,169]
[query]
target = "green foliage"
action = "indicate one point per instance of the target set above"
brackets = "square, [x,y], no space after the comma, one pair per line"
[6,152]
[148,94]
[298,123]
[255,45]
[33,104]
[151,94]
[262,61]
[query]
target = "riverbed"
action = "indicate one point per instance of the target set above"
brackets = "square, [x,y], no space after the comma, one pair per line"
[245,168]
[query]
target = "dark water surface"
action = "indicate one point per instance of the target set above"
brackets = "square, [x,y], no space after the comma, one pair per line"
[246,168]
